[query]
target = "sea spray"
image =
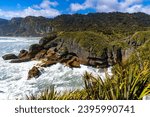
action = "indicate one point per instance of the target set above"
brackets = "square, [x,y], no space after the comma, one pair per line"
[13,76]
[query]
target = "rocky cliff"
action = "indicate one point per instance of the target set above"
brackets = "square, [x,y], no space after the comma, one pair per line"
[72,48]
[118,24]
[29,26]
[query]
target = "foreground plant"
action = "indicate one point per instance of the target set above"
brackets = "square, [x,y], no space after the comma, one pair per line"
[129,82]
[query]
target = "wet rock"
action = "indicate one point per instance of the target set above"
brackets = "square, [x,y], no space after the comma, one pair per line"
[20,60]
[9,56]
[34,49]
[63,51]
[73,62]
[23,53]
[50,52]
[70,60]
[47,39]
[40,55]
[34,73]
[50,45]
[52,55]
[97,62]
[67,56]
[48,63]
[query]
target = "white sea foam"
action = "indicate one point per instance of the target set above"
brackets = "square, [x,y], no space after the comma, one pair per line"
[13,76]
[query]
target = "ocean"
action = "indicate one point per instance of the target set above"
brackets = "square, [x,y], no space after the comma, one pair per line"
[13,76]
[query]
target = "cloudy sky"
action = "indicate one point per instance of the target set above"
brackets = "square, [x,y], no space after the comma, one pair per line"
[52,8]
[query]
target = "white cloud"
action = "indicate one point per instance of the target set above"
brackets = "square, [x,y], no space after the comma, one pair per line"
[111,5]
[85,5]
[44,9]
[46,3]
[77,7]
[139,8]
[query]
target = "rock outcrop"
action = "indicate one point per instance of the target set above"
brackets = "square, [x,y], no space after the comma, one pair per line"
[92,39]
[34,72]
[28,26]
[23,53]
[57,49]
[9,56]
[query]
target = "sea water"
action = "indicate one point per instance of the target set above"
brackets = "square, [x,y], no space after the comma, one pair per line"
[13,76]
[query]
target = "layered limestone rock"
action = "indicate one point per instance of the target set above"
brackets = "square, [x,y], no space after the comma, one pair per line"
[72,52]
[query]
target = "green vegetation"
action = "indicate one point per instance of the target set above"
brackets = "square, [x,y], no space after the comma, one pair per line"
[87,40]
[114,24]
[118,24]
[129,82]
[141,37]
[100,31]
[142,51]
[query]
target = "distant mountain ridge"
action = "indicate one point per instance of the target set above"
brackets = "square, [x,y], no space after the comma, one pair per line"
[107,23]
[28,26]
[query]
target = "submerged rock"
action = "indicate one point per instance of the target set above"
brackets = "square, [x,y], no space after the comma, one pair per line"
[9,56]
[34,72]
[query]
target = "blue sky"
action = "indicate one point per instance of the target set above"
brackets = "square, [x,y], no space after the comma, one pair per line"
[53,8]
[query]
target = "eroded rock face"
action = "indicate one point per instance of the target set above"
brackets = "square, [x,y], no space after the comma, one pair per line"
[48,63]
[52,50]
[74,62]
[40,55]
[9,56]
[23,53]
[34,72]
[45,40]
[50,45]
[34,49]
[52,55]
[25,59]
[87,56]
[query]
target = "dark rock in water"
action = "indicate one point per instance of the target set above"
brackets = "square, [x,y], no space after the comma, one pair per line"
[34,72]
[23,53]
[2,92]
[9,56]
[20,60]
[47,39]
[34,49]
